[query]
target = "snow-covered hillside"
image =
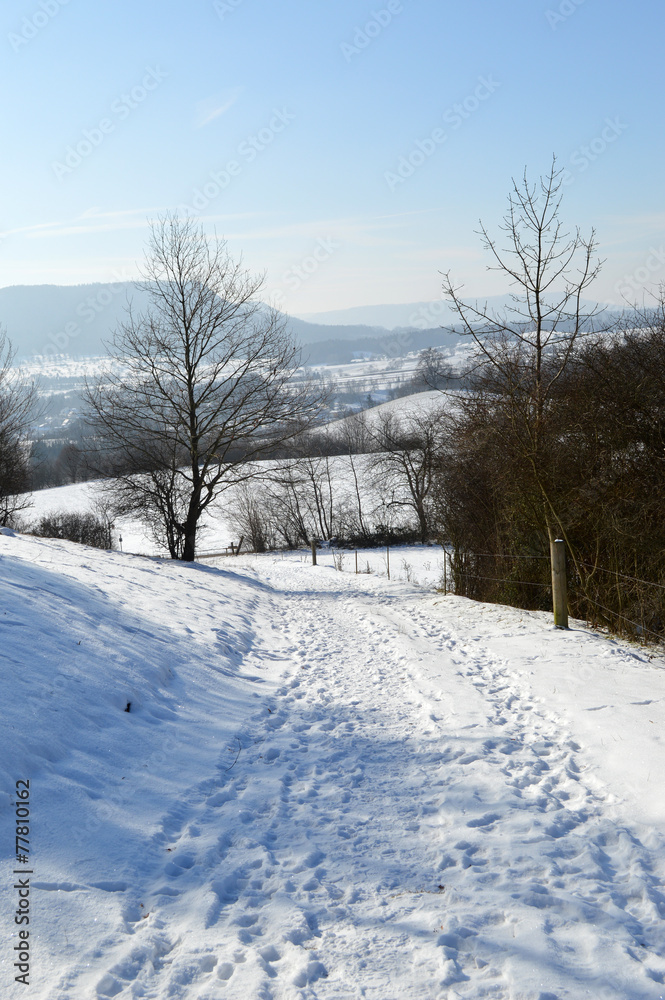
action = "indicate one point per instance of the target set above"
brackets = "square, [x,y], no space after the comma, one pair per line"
[325,786]
[216,530]
[402,408]
[61,379]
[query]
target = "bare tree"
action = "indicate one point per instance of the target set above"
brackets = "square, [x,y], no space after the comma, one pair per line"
[69,464]
[407,459]
[252,516]
[17,406]
[523,352]
[352,434]
[205,382]
[433,370]
[302,497]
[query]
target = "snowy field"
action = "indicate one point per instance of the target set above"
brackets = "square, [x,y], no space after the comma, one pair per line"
[418,404]
[327,785]
[216,531]
[377,375]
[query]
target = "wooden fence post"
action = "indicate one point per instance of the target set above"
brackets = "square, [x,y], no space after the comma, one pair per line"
[388,559]
[559,583]
[356,562]
[313,552]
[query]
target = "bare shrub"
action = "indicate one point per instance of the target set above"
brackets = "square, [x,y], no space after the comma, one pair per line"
[338,560]
[251,517]
[83,527]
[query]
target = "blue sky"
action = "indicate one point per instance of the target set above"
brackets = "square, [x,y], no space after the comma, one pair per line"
[283,126]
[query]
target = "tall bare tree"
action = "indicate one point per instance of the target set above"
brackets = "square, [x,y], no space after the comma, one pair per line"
[523,351]
[205,382]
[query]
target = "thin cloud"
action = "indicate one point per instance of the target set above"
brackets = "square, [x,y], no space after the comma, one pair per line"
[377,231]
[214,107]
[92,221]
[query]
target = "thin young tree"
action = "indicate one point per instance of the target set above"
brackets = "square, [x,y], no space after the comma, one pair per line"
[523,351]
[204,382]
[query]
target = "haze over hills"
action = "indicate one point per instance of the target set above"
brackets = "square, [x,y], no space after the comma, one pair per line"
[421,315]
[77,320]
[390,316]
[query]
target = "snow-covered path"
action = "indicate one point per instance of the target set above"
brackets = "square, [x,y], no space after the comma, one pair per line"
[402,820]
[355,789]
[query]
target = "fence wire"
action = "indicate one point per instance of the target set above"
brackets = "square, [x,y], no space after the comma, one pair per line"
[583,590]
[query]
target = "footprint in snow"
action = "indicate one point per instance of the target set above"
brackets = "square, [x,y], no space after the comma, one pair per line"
[484,821]
[178,865]
[313,970]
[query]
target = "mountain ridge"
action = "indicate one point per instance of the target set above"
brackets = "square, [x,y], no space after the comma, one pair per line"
[417,315]
[78,319]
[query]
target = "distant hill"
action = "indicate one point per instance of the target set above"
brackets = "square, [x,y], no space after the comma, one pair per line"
[78,319]
[419,315]
[63,319]
[389,316]
[391,343]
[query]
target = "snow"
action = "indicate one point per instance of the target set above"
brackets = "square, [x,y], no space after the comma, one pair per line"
[66,368]
[418,404]
[216,532]
[82,498]
[328,785]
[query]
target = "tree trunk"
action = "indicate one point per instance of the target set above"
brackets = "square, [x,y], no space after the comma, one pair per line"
[193,513]
[189,551]
[422,522]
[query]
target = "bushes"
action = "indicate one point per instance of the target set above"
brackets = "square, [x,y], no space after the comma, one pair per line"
[75,526]
[595,474]
[340,499]
[251,518]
